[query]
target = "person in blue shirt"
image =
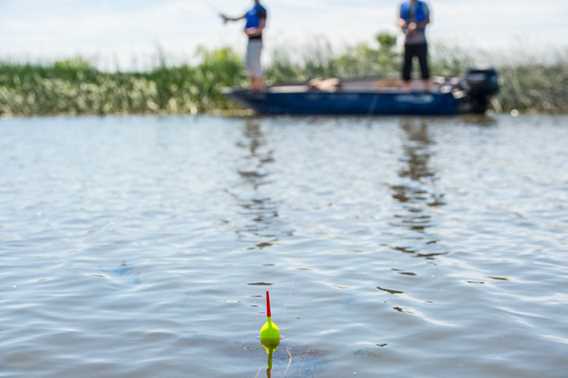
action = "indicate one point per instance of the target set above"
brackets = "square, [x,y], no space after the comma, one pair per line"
[414,18]
[255,23]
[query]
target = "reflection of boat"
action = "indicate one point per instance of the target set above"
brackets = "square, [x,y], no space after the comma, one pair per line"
[449,96]
[259,210]
[417,195]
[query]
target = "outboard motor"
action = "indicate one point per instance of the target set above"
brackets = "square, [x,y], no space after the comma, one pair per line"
[481,85]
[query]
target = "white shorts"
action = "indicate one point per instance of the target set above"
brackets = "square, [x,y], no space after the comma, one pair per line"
[253,57]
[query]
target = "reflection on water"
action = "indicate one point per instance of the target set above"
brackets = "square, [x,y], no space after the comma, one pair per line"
[416,191]
[293,362]
[259,208]
[112,247]
[270,356]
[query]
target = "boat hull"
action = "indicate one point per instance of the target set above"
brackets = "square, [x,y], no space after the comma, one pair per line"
[348,103]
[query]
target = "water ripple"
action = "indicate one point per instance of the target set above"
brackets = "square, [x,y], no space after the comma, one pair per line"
[142,247]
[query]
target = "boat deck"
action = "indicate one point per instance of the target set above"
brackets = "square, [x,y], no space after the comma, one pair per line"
[439,85]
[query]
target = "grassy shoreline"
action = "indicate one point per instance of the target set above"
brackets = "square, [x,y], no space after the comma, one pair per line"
[74,87]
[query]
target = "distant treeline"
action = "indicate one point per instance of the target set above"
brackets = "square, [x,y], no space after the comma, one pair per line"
[74,86]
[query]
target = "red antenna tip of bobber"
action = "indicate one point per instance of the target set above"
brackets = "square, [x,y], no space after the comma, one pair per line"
[268,312]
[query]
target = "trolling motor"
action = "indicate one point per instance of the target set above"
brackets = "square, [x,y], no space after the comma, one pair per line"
[480,84]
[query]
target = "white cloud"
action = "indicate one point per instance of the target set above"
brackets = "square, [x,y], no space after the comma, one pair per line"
[122,29]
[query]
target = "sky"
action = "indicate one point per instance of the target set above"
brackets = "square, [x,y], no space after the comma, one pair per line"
[128,33]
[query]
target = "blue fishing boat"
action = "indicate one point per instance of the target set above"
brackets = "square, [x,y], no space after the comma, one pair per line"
[447,96]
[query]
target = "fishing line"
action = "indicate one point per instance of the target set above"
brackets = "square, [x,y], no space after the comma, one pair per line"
[290,360]
[212,7]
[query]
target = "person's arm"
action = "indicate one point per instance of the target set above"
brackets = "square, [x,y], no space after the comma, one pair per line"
[231,19]
[413,26]
[402,21]
[410,27]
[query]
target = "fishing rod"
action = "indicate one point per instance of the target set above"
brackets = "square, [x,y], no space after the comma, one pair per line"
[211,6]
[215,9]
[221,14]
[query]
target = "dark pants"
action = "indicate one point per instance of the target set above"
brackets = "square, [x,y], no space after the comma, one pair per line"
[419,51]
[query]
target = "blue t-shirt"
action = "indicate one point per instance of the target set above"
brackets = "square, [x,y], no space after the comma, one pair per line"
[418,13]
[253,18]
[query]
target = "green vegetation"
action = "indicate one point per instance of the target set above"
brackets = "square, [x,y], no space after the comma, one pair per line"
[75,87]
[380,59]
[535,87]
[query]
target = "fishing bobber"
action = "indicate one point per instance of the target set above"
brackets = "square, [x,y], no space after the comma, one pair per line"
[269,336]
[270,332]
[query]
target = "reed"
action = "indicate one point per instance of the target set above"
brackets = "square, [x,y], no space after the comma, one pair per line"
[75,87]
[535,87]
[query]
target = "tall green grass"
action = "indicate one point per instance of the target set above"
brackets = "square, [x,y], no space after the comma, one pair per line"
[75,87]
[534,87]
[380,59]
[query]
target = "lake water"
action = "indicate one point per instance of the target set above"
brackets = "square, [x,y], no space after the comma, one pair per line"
[142,247]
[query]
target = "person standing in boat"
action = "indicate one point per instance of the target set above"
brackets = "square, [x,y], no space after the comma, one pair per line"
[414,18]
[255,23]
